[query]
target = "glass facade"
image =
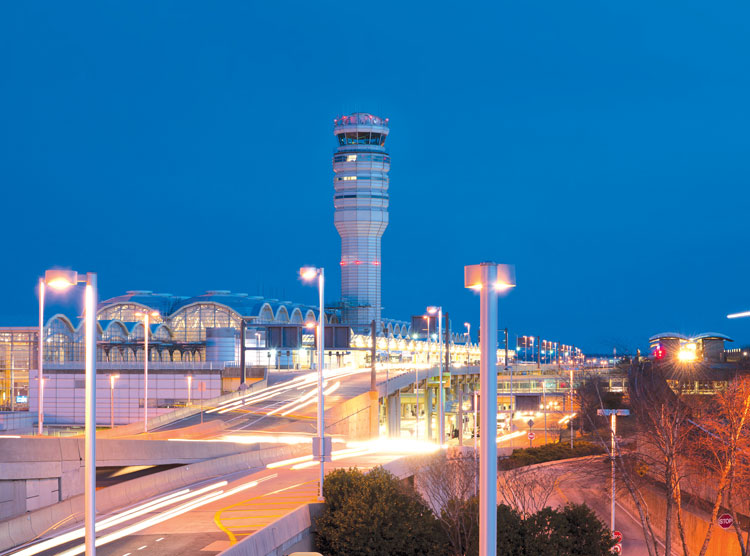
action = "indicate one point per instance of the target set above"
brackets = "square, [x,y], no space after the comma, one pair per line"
[17,355]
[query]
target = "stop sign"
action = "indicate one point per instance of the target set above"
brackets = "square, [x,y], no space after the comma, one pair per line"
[531,435]
[617,549]
[617,536]
[725,521]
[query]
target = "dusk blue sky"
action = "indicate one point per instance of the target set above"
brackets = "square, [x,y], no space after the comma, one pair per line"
[601,147]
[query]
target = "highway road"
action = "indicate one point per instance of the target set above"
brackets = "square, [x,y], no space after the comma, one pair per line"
[587,481]
[288,404]
[204,518]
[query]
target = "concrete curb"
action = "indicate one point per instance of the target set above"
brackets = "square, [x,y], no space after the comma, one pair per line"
[25,528]
[276,538]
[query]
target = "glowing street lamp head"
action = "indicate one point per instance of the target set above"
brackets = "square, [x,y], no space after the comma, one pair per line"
[432,309]
[308,272]
[310,325]
[60,280]
[504,280]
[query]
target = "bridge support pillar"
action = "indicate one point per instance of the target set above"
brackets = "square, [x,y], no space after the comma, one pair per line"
[394,413]
[428,403]
[374,414]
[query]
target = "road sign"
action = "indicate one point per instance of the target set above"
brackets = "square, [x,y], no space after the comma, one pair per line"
[530,422]
[726,521]
[617,549]
[531,435]
[618,536]
[618,412]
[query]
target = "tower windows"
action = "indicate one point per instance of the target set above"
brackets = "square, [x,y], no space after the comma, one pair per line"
[361,138]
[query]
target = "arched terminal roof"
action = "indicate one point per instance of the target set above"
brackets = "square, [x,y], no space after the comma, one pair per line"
[668,336]
[713,336]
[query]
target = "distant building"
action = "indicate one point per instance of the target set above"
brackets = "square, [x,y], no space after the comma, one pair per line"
[708,347]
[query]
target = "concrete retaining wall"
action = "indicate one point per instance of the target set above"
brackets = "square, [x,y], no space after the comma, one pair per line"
[722,542]
[37,472]
[291,533]
[356,418]
[24,528]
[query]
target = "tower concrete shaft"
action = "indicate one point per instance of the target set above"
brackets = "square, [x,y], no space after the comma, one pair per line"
[360,182]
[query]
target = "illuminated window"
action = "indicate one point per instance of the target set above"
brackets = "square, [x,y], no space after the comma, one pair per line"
[351,158]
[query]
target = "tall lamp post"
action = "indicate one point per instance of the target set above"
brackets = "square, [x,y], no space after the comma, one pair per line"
[441,394]
[62,280]
[40,358]
[416,390]
[488,278]
[146,330]
[612,414]
[322,448]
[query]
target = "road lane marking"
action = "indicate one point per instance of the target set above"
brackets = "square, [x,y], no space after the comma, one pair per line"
[232,536]
[142,547]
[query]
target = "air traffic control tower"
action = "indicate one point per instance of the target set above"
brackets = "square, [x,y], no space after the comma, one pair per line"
[360,182]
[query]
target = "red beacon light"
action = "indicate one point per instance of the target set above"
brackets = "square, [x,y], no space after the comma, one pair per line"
[659,352]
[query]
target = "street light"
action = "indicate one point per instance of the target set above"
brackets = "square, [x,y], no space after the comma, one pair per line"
[190,389]
[488,278]
[112,379]
[40,357]
[309,273]
[441,410]
[612,414]
[146,329]
[62,280]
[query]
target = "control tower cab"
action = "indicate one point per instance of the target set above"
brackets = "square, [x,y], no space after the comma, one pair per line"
[360,166]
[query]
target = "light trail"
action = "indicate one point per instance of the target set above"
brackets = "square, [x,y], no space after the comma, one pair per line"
[313,400]
[510,435]
[396,446]
[266,392]
[301,399]
[566,418]
[111,521]
[335,456]
[169,514]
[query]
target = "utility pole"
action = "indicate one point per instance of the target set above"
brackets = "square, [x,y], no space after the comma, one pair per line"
[612,414]
[510,405]
[373,355]
[447,342]
[243,376]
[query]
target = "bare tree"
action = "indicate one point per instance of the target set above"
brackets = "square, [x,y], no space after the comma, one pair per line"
[447,480]
[723,446]
[629,465]
[528,489]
